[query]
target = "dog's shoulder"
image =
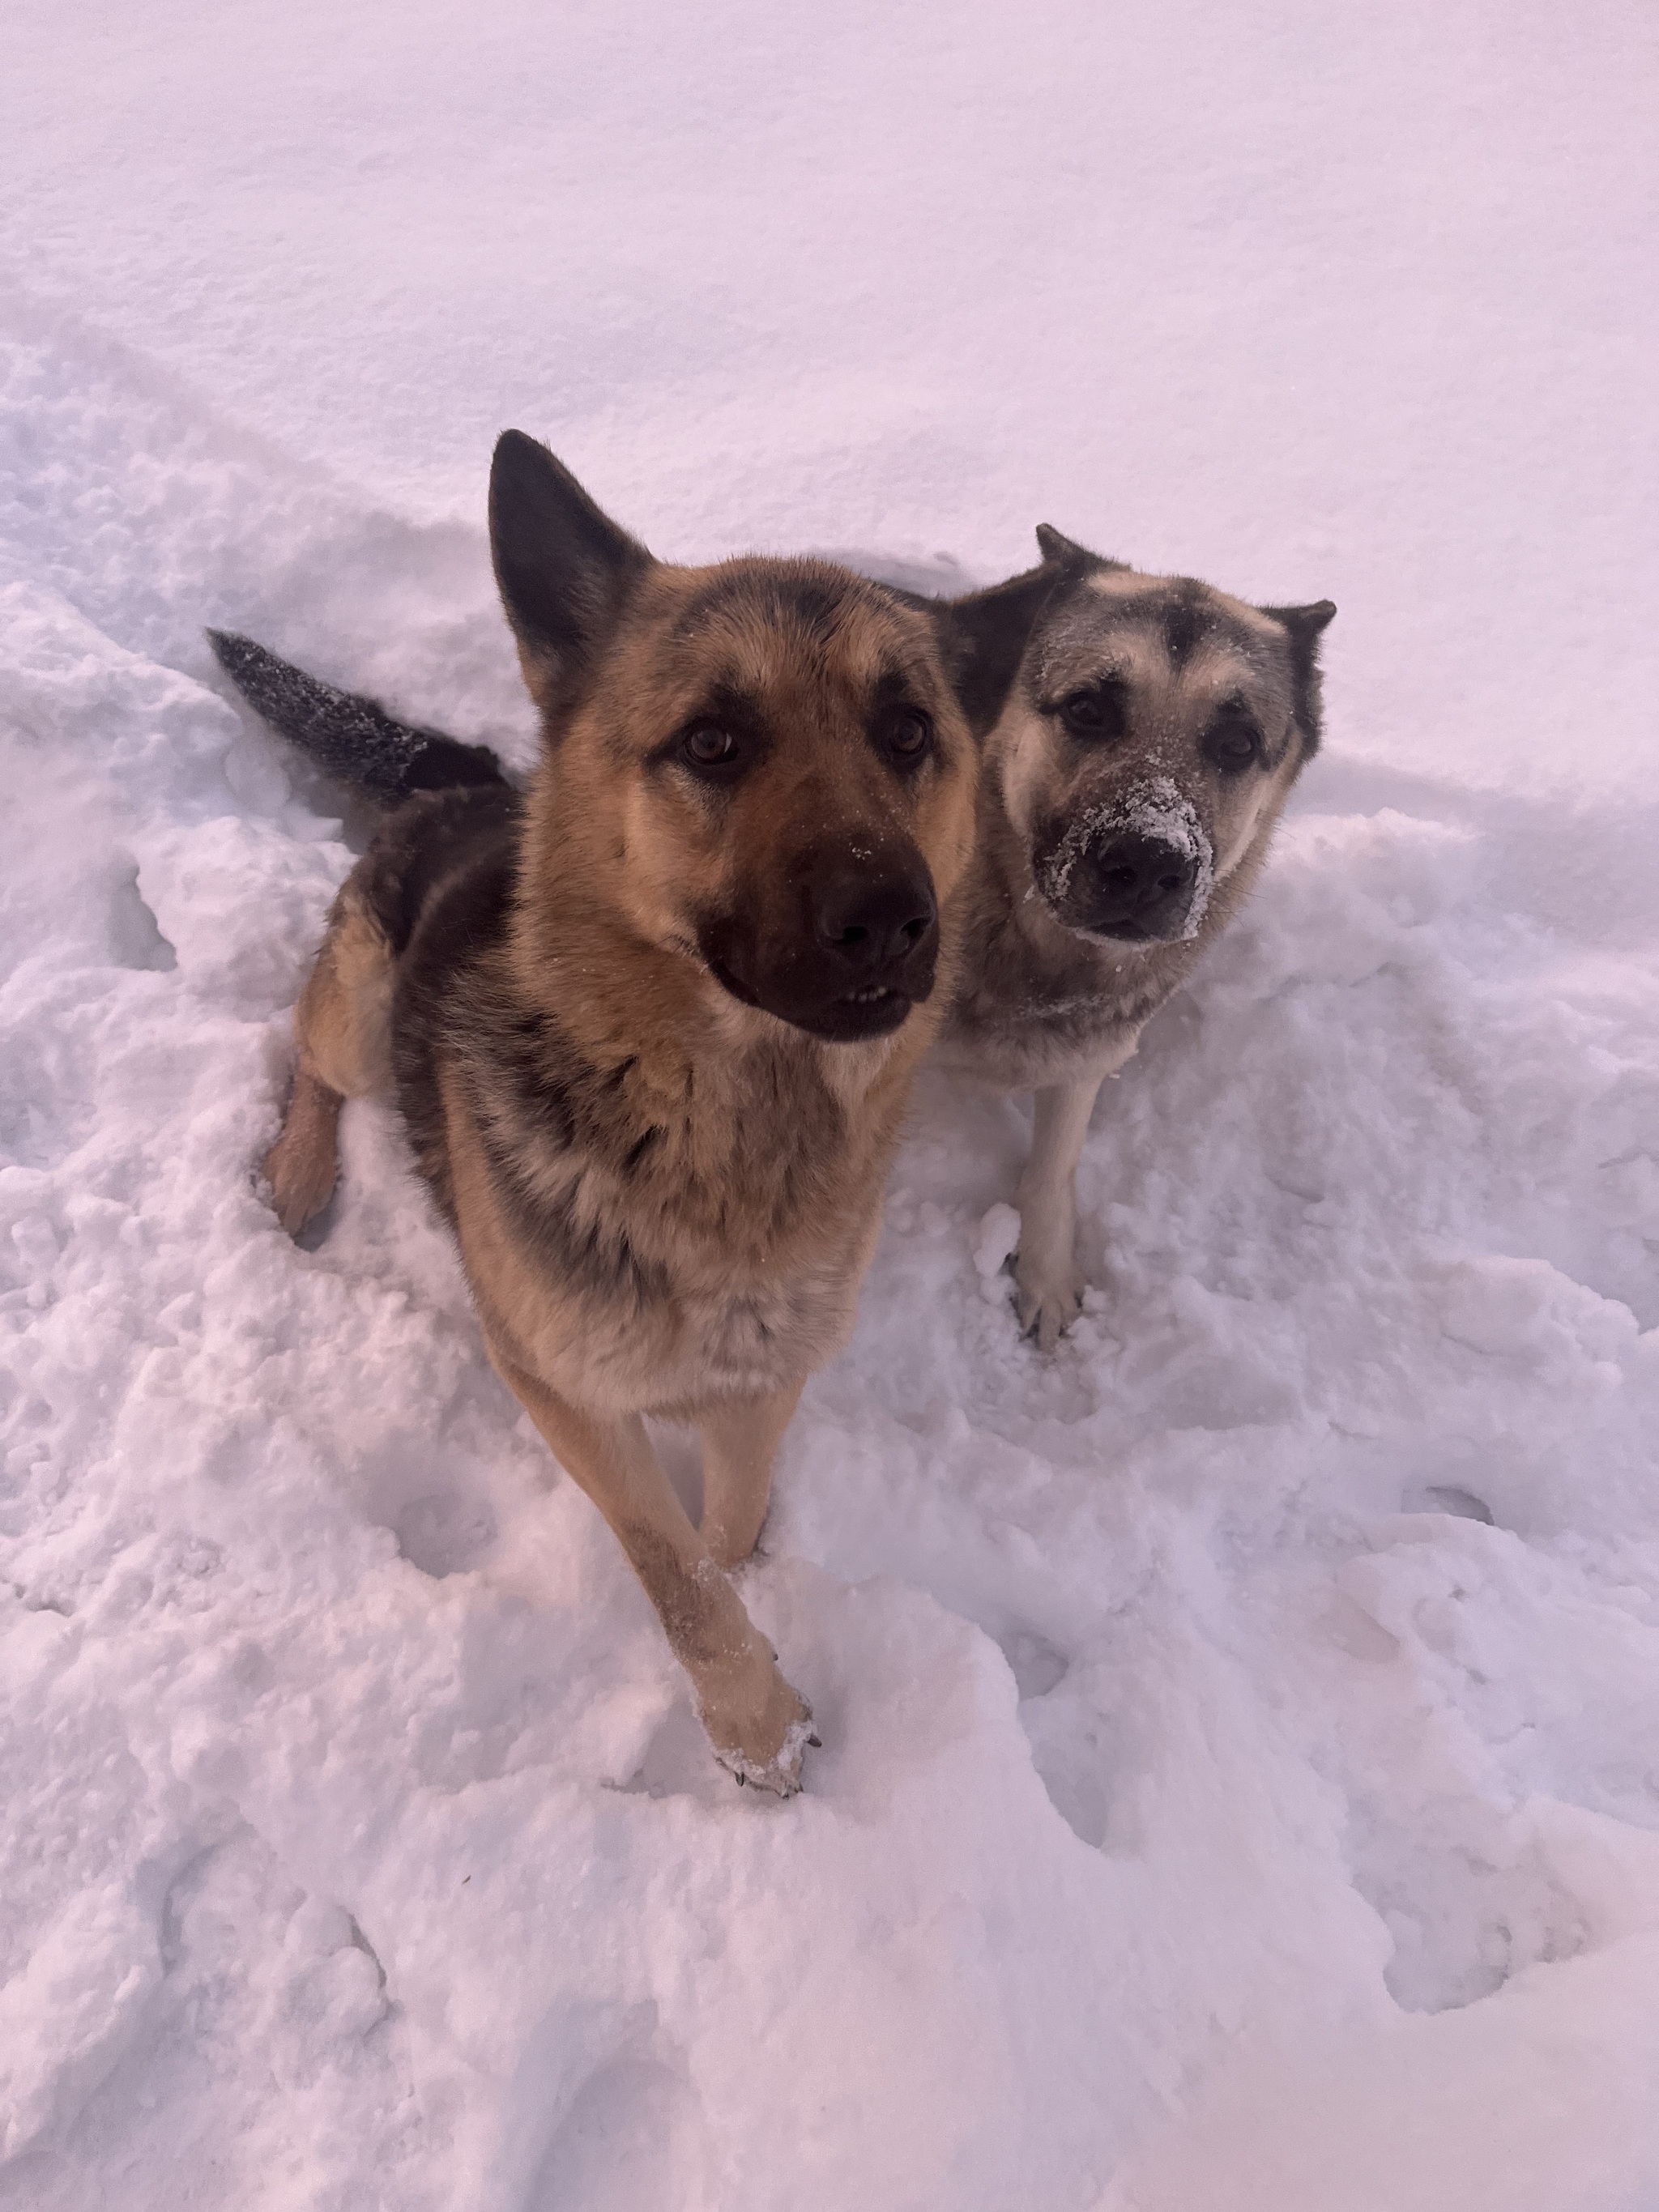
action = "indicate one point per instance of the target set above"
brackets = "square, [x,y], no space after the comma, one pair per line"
[438,882]
[442,866]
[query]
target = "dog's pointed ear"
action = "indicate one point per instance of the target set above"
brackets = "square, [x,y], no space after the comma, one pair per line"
[564,566]
[1305,626]
[1060,551]
[984,638]
[1305,623]
[1055,546]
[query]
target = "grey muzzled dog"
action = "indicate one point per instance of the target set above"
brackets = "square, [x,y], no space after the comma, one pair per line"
[1129,791]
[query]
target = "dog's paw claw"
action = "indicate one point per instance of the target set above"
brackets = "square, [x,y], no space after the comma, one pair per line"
[1047,1310]
[781,1774]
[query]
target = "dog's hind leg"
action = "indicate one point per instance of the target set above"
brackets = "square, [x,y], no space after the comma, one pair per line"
[300,1165]
[739,1441]
[343,1027]
[759,1726]
[1048,1287]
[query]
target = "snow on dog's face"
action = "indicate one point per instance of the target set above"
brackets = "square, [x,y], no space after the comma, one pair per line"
[1150,740]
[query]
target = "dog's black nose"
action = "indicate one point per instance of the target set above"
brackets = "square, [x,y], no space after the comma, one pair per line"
[875,921]
[1141,881]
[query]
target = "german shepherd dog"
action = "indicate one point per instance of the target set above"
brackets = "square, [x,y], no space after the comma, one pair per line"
[651,1024]
[1128,792]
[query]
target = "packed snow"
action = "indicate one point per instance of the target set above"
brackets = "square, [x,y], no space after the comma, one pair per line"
[1240,1780]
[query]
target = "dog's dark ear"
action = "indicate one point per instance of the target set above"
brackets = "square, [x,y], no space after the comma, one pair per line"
[1063,552]
[1055,546]
[984,638]
[564,566]
[1305,626]
[1305,623]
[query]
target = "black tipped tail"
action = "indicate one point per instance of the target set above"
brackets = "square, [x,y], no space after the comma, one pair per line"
[349,738]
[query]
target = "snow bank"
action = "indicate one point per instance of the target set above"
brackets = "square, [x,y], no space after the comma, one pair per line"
[1240,1781]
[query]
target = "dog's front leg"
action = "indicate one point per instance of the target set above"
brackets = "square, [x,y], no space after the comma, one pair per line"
[758,1725]
[1049,1288]
[739,1441]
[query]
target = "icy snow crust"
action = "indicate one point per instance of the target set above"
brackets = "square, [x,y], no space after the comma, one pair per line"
[1240,1781]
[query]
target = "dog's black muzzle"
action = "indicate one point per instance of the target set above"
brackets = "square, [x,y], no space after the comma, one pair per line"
[854,950]
[1124,884]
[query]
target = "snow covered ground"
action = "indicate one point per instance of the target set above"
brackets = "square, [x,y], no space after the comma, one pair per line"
[1241,1776]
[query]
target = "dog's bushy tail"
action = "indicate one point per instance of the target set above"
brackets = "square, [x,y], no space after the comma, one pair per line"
[351,739]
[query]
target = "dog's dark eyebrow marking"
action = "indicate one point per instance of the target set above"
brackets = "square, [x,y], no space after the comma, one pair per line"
[721,594]
[1108,683]
[728,706]
[820,608]
[1183,615]
[897,686]
[1184,619]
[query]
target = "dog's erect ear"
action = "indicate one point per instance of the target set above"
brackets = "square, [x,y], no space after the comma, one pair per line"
[564,566]
[984,637]
[1305,623]
[1063,552]
[1305,626]
[1055,546]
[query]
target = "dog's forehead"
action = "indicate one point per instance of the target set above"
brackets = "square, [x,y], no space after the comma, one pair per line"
[1160,632]
[764,628]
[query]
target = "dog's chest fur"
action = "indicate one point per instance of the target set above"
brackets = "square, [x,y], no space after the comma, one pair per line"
[705,1220]
[1037,1005]
[654,1228]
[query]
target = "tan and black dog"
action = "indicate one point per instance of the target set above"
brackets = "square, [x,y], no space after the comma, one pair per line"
[1130,787]
[651,1025]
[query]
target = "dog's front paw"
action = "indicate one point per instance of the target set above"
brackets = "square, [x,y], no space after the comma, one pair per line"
[765,1748]
[1047,1300]
[300,1178]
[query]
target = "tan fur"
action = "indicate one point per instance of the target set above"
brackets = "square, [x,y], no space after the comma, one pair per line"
[1042,1006]
[301,1167]
[740,1159]
[755,1720]
[346,1013]
[343,1033]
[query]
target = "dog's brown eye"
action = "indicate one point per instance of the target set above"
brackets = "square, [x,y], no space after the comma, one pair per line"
[1096,713]
[909,734]
[707,746]
[1232,742]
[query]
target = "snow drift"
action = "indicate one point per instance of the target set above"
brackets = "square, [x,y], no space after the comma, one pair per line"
[1241,1779]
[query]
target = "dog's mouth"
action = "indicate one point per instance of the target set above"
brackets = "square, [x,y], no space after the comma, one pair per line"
[1114,930]
[1115,933]
[873,1010]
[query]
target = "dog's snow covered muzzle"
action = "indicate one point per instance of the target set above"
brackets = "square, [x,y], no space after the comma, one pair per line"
[1138,868]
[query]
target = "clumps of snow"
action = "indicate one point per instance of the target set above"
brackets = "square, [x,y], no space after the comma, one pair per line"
[1155,808]
[1322,1556]
[999,1239]
[1238,1784]
[1266,1673]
